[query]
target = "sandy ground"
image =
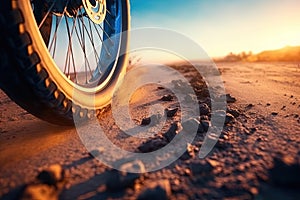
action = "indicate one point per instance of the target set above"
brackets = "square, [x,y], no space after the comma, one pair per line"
[256,157]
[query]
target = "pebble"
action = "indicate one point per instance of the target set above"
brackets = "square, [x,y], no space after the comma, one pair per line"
[167,98]
[152,145]
[160,189]
[124,178]
[52,175]
[213,163]
[192,125]
[96,152]
[173,131]
[249,106]
[229,98]
[204,117]
[254,191]
[229,118]
[146,121]
[153,120]
[189,153]
[234,112]
[39,191]
[220,115]
[205,124]
[274,113]
[253,130]
[204,109]
[171,112]
[135,166]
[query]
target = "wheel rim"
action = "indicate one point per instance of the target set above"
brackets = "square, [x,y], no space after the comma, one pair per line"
[83,41]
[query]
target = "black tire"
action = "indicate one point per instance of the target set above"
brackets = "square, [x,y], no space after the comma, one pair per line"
[36,84]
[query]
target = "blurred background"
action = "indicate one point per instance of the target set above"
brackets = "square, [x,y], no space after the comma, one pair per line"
[222,26]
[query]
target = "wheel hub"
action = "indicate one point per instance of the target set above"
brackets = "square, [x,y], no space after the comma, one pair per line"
[95,9]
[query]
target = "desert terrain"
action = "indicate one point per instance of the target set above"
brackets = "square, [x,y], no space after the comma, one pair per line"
[256,157]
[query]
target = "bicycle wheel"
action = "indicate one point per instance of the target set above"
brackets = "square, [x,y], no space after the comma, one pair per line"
[52,49]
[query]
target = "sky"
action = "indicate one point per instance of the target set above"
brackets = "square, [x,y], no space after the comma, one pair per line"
[223,26]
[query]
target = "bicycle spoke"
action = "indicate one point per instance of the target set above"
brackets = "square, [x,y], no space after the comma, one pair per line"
[103,43]
[107,11]
[70,55]
[86,62]
[46,15]
[90,37]
[110,26]
[92,40]
[102,29]
[55,35]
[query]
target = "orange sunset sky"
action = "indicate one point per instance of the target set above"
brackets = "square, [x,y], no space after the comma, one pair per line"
[221,26]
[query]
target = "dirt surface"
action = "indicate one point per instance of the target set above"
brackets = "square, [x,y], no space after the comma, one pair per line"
[256,157]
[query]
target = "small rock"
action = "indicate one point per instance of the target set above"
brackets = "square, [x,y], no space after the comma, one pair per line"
[204,109]
[253,130]
[229,98]
[160,189]
[191,125]
[253,191]
[136,166]
[234,112]
[268,104]
[52,175]
[96,152]
[213,163]
[205,124]
[204,117]
[152,145]
[189,153]
[153,120]
[229,118]
[249,106]
[173,131]
[124,178]
[219,116]
[167,98]
[39,191]
[274,113]
[171,112]
[146,121]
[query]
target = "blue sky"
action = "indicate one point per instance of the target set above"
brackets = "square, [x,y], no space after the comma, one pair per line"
[223,26]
